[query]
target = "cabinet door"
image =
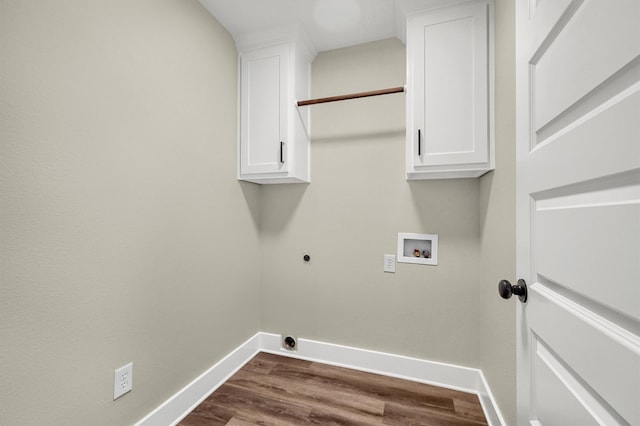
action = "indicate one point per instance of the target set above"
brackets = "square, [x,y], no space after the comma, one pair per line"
[263,115]
[448,80]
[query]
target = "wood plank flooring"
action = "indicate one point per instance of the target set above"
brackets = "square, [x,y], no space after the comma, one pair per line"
[276,390]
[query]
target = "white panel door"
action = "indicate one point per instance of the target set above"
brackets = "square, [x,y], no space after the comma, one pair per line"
[578,211]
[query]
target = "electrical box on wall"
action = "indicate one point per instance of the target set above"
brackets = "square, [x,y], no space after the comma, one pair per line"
[418,248]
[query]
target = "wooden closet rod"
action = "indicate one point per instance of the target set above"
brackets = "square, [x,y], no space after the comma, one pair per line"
[352,96]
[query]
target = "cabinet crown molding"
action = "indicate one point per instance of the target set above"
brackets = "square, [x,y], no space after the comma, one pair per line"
[405,9]
[277,35]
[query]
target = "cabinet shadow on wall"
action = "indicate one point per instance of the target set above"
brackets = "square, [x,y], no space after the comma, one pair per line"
[277,205]
[448,207]
[486,187]
[251,193]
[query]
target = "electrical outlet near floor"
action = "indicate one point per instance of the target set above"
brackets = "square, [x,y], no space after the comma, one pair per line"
[123,381]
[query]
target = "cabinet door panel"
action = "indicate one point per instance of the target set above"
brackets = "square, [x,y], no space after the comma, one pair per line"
[263,110]
[448,89]
[448,105]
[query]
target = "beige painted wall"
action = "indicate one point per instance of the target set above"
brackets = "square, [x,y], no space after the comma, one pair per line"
[498,242]
[349,217]
[123,227]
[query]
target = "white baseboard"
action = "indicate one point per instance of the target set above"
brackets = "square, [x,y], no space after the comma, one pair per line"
[435,373]
[182,403]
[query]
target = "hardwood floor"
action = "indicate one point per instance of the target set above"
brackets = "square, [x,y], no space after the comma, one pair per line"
[277,390]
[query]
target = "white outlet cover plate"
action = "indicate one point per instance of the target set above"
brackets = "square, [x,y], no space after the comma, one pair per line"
[389,263]
[123,381]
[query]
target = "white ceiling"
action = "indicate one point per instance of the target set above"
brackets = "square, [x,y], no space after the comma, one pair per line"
[330,24]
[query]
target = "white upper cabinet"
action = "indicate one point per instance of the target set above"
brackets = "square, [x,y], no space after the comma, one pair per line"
[449,100]
[274,139]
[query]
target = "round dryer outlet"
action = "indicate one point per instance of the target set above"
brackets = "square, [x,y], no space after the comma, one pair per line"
[289,343]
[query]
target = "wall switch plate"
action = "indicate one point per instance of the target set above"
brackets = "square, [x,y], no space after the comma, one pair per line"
[123,381]
[389,263]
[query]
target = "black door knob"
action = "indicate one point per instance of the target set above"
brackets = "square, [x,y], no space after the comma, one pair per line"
[505,289]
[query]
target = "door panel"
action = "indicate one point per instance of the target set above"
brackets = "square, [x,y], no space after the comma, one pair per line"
[544,15]
[603,143]
[573,242]
[578,211]
[599,39]
[596,351]
[559,399]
